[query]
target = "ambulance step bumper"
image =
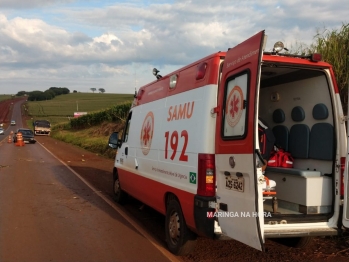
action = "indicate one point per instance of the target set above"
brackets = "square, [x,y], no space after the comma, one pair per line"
[300,233]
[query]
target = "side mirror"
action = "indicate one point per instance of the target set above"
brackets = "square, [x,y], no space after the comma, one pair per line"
[114,141]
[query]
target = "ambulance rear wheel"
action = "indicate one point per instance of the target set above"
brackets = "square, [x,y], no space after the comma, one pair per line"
[180,240]
[299,242]
[303,242]
[119,195]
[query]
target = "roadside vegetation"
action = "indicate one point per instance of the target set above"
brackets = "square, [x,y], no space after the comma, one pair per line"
[61,109]
[93,139]
[92,131]
[49,94]
[106,113]
[334,47]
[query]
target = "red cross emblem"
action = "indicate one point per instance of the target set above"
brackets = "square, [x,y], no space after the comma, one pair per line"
[234,106]
[147,133]
[234,109]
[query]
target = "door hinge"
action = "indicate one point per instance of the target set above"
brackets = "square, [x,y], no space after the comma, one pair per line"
[215,110]
[343,119]
[338,166]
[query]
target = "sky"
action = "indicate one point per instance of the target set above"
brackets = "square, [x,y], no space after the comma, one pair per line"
[114,45]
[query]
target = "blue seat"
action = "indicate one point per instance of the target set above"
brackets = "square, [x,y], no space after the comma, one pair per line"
[321,136]
[299,135]
[281,132]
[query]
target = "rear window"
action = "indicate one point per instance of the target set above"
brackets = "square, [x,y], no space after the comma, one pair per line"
[26,132]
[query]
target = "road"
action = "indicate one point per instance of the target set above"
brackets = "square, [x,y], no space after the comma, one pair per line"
[47,213]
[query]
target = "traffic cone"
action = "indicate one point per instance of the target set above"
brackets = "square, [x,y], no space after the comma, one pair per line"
[20,141]
[9,139]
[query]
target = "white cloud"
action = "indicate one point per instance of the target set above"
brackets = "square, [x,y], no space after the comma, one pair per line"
[110,45]
[20,4]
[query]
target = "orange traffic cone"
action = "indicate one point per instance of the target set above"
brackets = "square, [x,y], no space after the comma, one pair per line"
[20,141]
[9,139]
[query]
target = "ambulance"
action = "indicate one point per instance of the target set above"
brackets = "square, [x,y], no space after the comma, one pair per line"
[190,148]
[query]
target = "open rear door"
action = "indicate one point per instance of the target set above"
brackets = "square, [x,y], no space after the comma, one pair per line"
[240,207]
[346,182]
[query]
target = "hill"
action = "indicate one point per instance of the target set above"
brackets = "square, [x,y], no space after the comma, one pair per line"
[106,113]
[61,109]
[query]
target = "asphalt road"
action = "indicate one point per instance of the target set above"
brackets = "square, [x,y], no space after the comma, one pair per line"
[47,213]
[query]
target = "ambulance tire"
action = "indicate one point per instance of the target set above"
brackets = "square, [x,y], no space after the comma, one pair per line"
[119,195]
[299,242]
[180,240]
[303,242]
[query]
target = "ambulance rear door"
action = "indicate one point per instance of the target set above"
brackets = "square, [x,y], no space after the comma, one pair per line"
[346,182]
[239,198]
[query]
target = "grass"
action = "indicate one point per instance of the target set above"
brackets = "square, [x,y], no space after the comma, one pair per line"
[92,139]
[65,105]
[61,109]
[5,97]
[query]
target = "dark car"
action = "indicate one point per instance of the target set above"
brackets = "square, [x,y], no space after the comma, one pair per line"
[28,135]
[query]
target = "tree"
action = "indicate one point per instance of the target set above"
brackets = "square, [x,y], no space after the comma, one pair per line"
[60,90]
[37,96]
[65,90]
[21,93]
[93,89]
[49,94]
[334,47]
[101,90]
[75,91]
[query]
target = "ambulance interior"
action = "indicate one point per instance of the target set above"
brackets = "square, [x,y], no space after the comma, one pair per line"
[296,104]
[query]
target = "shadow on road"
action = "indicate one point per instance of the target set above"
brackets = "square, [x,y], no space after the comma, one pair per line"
[150,219]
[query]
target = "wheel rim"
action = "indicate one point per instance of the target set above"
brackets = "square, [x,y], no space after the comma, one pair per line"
[116,187]
[174,227]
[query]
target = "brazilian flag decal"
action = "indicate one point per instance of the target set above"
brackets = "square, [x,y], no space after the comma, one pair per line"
[192,178]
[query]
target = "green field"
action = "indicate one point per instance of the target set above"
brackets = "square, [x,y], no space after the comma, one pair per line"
[62,107]
[5,97]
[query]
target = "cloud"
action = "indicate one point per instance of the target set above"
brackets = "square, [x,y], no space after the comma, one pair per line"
[113,43]
[20,4]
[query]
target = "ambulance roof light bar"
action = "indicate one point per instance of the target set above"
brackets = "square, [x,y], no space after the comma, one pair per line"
[316,57]
[278,47]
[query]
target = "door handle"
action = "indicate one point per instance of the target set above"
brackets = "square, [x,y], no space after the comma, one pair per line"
[126,150]
[136,164]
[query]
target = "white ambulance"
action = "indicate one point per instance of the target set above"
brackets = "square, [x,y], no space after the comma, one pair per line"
[190,148]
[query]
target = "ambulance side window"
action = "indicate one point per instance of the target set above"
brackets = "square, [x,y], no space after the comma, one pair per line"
[235,103]
[127,128]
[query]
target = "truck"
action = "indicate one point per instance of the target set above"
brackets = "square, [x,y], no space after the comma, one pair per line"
[42,127]
[190,148]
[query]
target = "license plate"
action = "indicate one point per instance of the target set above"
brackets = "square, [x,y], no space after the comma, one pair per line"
[236,184]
